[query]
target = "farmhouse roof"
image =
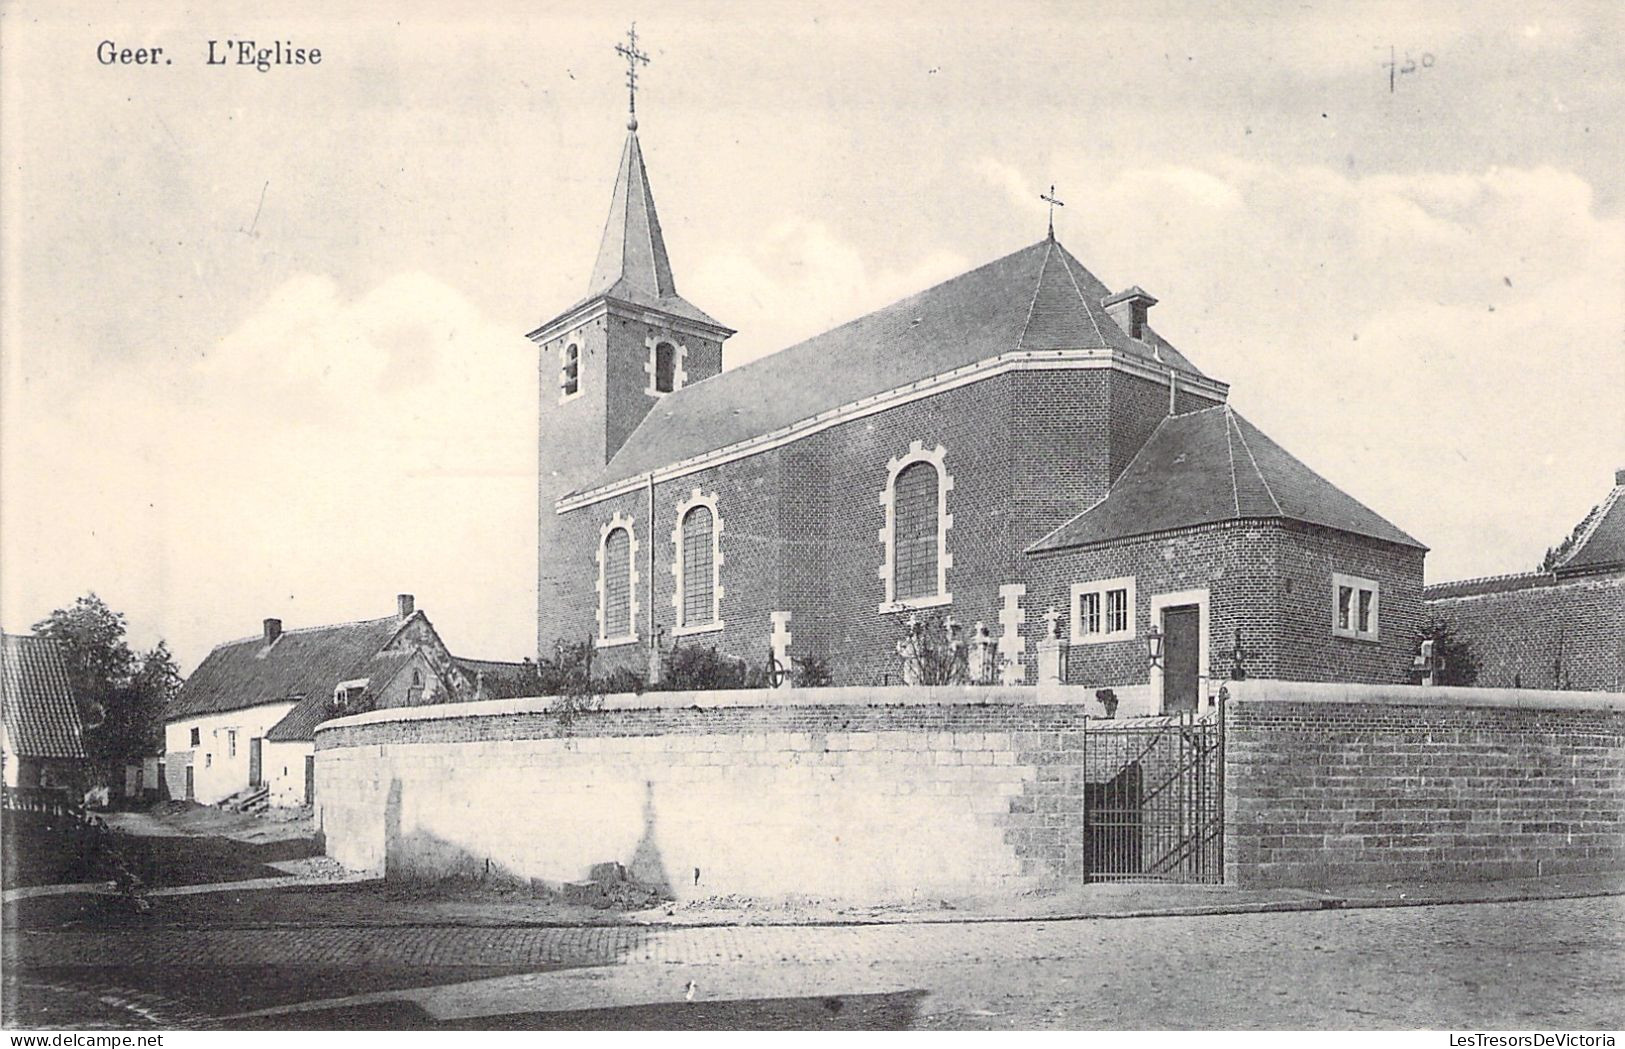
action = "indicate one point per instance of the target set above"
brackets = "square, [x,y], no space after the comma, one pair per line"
[40,715]
[297,665]
[299,724]
[1211,466]
[1038,298]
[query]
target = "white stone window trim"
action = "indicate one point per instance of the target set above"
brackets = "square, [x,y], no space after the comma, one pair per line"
[564,364]
[917,453]
[605,530]
[679,375]
[1101,587]
[1174,599]
[1357,584]
[682,629]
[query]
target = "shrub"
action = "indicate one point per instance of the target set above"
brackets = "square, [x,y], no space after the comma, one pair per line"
[933,652]
[811,672]
[692,668]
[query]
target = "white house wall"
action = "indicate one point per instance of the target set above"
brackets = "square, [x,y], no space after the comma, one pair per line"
[217,773]
[285,772]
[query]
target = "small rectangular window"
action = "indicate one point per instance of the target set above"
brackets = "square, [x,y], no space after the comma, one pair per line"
[1116,611]
[231,743]
[1089,613]
[1356,607]
[1103,610]
[197,737]
[208,761]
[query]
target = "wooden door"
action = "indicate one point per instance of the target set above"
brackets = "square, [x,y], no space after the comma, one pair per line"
[190,793]
[310,779]
[256,762]
[1181,658]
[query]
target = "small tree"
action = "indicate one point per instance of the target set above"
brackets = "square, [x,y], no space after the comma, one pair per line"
[122,696]
[1452,652]
[933,652]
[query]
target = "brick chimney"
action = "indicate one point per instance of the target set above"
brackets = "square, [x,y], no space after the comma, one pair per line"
[273,630]
[1128,309]
[403,605]
[1619,478]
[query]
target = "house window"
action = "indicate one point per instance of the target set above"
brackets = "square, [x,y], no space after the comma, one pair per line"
[414,692]
[617,581]
[915,537]
[1103,610]
[570,372]
[197,737]
[208,761]
[1356,607]
[231,743]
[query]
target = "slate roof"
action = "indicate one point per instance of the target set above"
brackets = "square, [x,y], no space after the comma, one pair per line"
[1038,298]
[632,265]
[299,724]
[1495,584]
[1210,466]
[41,717]
[1602,547]
[300,664]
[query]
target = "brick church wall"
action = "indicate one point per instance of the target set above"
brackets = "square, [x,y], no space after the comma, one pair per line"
[1272,579]
[1329,784]
[1525,630]
[801,523]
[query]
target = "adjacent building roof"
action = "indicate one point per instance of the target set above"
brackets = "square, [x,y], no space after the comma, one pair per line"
[299,724]
[41,716]
[632,265]
[1038,298]
[1211,466]
[1601,547]
[299,664]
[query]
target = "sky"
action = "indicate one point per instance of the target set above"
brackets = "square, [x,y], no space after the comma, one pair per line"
[261,333]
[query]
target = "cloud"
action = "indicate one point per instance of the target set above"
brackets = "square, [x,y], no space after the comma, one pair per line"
[1452,344]
[329,452]
[800,279]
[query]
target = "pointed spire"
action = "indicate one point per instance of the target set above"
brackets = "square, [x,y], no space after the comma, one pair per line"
[632,256]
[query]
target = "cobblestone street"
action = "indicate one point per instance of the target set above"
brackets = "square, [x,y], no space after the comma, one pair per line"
[1539,964]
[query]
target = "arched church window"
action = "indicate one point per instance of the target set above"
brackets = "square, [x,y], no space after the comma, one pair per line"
[914,536]
[570,371]
[699,582]
[915,559]
[665,367]
[617,594]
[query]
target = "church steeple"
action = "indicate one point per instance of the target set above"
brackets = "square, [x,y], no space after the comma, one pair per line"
[632,257]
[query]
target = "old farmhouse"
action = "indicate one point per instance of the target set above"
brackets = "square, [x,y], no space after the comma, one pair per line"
[41,734]
[245,718]
[1016,447]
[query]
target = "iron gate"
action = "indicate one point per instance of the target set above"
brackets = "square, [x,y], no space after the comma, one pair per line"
[1154,800]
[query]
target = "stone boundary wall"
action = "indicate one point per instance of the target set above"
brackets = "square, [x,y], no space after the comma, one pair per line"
[917,792]
[1355,783]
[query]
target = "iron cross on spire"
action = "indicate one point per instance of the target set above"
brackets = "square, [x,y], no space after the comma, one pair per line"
[1053,204]
[633,56]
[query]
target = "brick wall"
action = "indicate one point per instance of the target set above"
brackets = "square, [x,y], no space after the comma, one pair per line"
[1526,630]
[1025,450]
[1272,579]
[843,798]
[1330,783]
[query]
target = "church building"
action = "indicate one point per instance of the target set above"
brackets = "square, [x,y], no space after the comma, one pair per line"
[1015,447]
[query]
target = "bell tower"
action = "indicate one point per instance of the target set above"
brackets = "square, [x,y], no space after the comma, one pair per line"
[606,361]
